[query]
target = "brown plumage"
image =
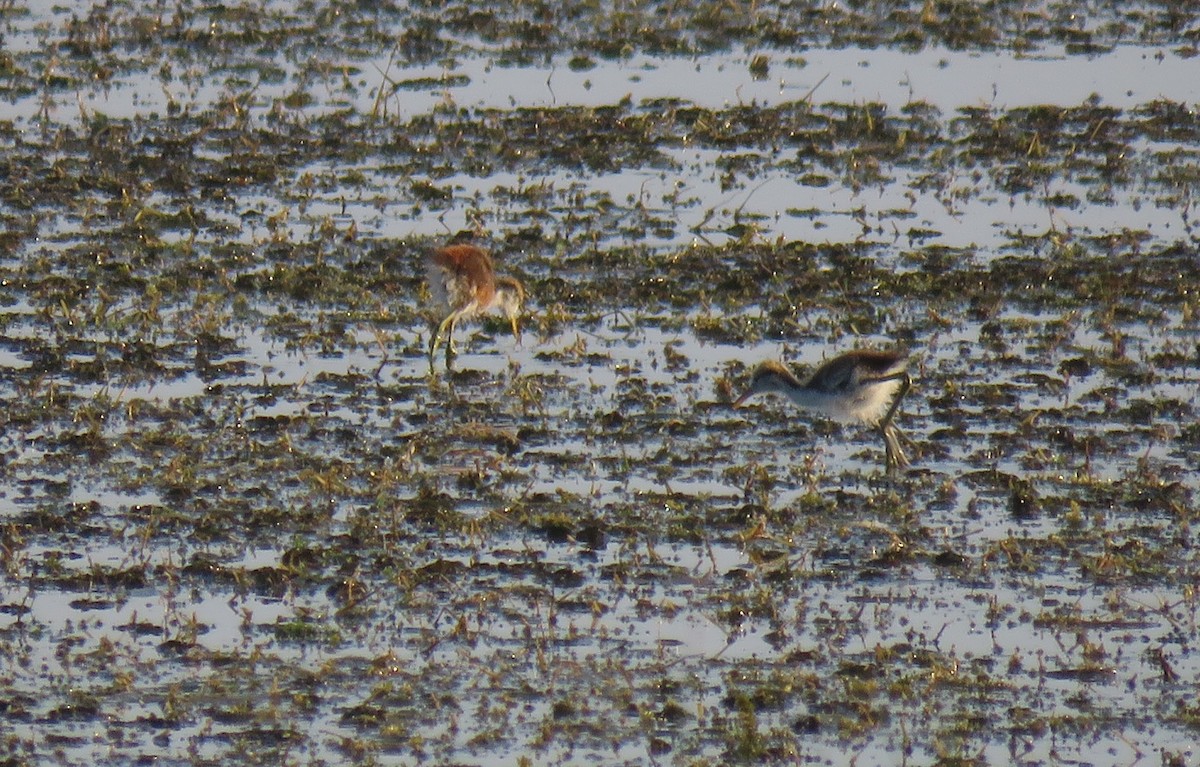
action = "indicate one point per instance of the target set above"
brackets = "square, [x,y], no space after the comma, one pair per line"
[463,283]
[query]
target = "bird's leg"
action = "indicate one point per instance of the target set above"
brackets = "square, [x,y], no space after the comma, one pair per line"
[446,328]
[515,328]
[905,385]
[893,454]
[450,350]
[433,344]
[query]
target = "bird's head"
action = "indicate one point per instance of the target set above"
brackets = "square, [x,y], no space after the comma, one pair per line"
[768,377]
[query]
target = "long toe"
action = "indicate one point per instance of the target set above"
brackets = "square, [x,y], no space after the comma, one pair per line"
[894,454]
[905,441]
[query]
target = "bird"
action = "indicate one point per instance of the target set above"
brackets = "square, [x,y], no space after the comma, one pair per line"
[863,385]
[463,283]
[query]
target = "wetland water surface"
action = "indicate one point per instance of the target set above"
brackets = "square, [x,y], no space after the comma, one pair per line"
[240,520]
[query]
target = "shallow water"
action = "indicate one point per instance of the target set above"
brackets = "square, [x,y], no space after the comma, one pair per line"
[242,519]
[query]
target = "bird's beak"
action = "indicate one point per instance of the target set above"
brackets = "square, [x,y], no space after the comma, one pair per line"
[742,399]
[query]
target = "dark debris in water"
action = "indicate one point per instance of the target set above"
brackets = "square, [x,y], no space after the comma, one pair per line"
[242,519]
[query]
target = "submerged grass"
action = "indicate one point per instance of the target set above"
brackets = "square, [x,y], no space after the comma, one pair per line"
[241,518]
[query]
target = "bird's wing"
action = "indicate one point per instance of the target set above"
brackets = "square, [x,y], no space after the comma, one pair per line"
[837,376]
[441,283]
